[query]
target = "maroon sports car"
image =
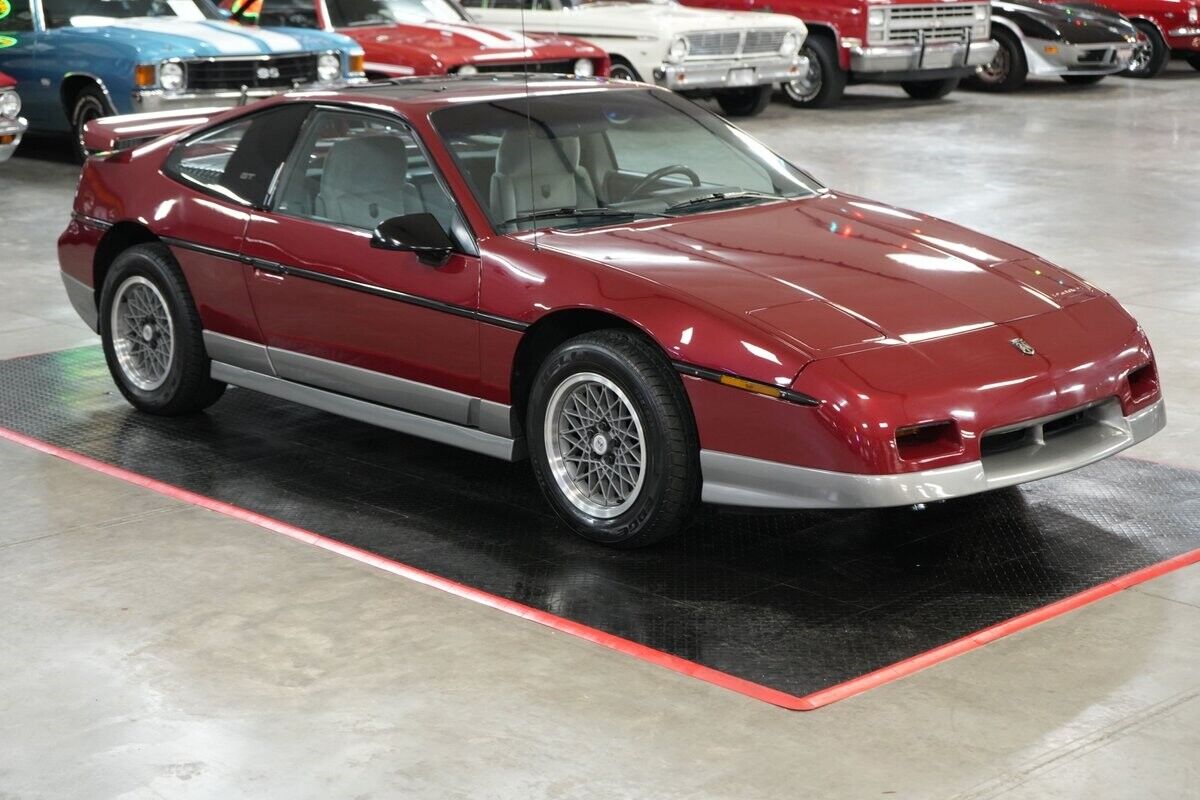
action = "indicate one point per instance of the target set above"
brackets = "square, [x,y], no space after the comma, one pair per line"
[644,300]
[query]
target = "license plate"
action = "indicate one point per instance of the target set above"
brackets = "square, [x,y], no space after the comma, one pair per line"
[743,76]
[938,59]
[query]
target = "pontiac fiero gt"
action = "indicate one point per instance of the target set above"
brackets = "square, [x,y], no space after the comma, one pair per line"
[643,300]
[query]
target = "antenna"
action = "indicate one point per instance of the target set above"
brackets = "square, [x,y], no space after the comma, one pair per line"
[528,120]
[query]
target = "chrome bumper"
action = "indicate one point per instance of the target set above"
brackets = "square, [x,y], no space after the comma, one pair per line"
[741,481]
[14,128]
[1057,58]
[158,100]
[729,74]
[911,58]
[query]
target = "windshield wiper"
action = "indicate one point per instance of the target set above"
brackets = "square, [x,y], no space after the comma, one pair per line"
[568,212]
[719,198]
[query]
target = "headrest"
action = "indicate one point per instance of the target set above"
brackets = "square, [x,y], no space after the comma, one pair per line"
[518,148]
[366,164]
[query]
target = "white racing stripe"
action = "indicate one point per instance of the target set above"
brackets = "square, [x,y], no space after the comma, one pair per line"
[485,37]
[269,41]
[224,37]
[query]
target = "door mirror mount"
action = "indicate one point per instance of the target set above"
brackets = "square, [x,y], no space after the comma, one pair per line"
[421,234]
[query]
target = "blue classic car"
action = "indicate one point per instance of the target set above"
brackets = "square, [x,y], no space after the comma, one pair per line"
[76,60]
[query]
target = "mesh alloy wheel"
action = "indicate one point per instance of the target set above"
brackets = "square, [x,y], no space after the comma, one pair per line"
[595,445]
[143,333]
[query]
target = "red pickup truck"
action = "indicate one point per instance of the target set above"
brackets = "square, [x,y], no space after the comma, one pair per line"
[925,47]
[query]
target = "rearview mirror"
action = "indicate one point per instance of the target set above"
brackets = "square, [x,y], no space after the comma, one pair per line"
[415,233]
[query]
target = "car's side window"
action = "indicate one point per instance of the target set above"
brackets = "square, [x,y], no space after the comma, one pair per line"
[358,170]
[238,161]
[288,13]
[512,5]
[19,17]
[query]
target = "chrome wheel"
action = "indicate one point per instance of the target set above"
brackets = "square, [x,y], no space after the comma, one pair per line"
[143,333]
[595,445]
[87,109]
[1143,54]
[807,87]
[996,70]
[622,72]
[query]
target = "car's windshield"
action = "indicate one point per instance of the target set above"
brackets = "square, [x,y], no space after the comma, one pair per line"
[64,13]
[591,158]
[348,13]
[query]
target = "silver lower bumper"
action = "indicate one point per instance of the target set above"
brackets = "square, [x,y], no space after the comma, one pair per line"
[1057,58]
[911,58]
[14,128]
[83,300]
[158,100]
[740,481]
[729,74]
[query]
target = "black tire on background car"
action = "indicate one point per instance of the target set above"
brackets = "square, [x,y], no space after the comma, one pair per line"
[612,439]
[929,90]
[622,70]
[748,102]
[88,104]
[152,334]
[1151,60]
[825,82]
[1007,70]
[1083,80]
[1194,60]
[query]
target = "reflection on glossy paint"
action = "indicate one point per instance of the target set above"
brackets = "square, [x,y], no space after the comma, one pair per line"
[933,263]
[924,336]
[762,353]
[957,247]
[686,336]
[891,212]
[163,209]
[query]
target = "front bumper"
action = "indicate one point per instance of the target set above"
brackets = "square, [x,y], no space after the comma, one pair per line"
[866,60]
[1184,38]
[729,73]
[11,131]
[742,481]
[158,100]
[1047,57]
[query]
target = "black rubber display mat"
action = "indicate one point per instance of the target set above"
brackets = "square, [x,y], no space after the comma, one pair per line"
[794,603]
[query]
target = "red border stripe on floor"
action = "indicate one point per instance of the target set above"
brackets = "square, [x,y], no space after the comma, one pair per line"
[805,703]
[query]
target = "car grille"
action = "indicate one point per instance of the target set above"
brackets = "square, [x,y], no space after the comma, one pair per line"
[254,73]
[732,44]
[930,24]
[547,67]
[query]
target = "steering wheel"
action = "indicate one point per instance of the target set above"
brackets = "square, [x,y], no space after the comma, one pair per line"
[659,174]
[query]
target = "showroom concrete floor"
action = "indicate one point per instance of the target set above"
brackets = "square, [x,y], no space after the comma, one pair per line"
[153,649]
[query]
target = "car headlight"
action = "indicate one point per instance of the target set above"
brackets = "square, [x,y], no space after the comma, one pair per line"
[875,17]
[584,68]
[790,45]
[10,104]
[678,50]
[329,67]
[1193,15]
[981,12]
[468,69]
[170,76]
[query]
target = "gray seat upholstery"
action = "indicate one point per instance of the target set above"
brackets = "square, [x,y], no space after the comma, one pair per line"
[555,180]
[365,181]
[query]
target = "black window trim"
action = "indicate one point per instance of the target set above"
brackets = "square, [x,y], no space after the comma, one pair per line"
[467,241]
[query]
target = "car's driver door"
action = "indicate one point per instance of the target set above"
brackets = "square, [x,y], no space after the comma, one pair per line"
[340,314]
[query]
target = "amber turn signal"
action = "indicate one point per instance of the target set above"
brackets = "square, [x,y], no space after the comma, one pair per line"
[145,75]
[752,386]
[358,63]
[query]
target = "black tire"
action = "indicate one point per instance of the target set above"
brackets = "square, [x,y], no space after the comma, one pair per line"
[88,104]
[186,386]
[669,488]
[748,102]
[826,81]
[1194,60]
[622,70]
[1155,59]
[1008,69]
[929,90]
[1083,80]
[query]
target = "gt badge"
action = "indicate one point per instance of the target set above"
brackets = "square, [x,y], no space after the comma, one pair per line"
[1024,346]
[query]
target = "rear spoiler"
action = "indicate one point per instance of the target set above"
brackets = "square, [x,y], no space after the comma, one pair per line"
[109,134]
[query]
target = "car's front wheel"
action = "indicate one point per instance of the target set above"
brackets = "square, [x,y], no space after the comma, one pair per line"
[929,90]
[1007,70]
[748,102]
[822,86]
[612,440]
[1151,55]
[89,104]
[152,336]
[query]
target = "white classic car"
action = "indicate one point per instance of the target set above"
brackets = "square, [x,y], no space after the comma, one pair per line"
[735,56]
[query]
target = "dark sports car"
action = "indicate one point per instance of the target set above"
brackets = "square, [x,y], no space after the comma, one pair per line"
[600,276]
[1079,43]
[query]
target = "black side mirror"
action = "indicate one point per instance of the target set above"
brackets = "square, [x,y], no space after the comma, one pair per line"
[415,233]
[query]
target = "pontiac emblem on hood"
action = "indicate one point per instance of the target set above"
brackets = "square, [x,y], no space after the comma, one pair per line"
[1024,346]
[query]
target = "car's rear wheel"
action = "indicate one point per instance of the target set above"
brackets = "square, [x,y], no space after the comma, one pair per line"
[748,102]
[1150,57]
[1007,70]
[824,83]
[622,70]
[152,335]
[612,440]
[1083,80]
[89,103]
[929,90]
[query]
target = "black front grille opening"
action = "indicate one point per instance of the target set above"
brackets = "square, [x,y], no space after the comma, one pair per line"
[275,73]
[1093,57]
[1065,424]
[996,443]
[543,67]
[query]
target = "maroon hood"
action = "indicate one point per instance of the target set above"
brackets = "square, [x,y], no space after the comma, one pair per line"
[836,272]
